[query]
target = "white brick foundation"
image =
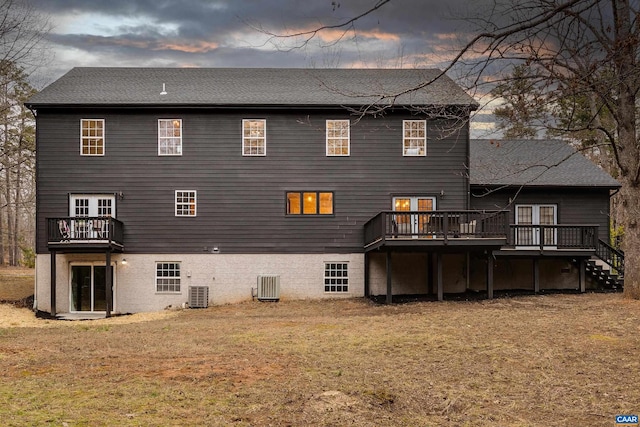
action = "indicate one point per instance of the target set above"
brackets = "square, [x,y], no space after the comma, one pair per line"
[230,277]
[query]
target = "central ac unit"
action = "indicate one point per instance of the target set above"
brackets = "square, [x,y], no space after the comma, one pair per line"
[268,288]
[198,296]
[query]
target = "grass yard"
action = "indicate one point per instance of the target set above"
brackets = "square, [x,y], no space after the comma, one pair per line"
[553,360]
[16,283]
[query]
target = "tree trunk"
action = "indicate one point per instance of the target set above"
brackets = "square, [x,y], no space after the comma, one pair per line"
[15,247]
[628,149]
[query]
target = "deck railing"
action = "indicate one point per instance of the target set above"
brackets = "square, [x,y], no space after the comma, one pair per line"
[84,229]
[612,256]
[556,236]
[436,225]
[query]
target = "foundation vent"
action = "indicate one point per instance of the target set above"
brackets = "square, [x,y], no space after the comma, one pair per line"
[198,296]
[268,288]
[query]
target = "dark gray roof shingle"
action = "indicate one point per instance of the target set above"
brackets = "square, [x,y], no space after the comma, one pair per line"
[249,86]
[533,163]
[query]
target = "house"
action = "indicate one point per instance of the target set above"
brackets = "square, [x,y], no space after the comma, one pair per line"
[213,186]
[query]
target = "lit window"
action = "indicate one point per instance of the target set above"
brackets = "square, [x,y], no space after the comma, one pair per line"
[92,137]
[185,203]
[170,137]
[167,277]
[337,137]
[254,141]
[414,142]
[336,277]
[309,203]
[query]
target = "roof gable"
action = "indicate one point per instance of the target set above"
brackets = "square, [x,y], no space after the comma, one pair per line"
[533,163]
[249,87]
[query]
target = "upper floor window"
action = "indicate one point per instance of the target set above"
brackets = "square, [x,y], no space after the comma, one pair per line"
[92,137]
[170,137]
[414,142]
[338,137]
[185,203]
[254,139]
[309,203]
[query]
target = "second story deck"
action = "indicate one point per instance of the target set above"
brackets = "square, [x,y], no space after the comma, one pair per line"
[421,230]
[86,234]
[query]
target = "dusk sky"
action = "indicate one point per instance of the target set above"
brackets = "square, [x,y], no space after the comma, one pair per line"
[233,33]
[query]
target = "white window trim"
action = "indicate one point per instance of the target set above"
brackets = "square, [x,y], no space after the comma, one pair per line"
[264,138]
[424,139]
[195,203]
[93,200]
[324,277]
[157,277]
[180,150]
[535,216]
[93,264]
[328,138]
[104,139]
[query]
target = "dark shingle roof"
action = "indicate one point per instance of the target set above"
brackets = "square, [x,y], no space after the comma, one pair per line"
[533,163]
[248,87]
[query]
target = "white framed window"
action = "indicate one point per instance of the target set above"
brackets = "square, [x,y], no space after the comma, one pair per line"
[414,141]
[336,277]
[185,203]
[254,137]
[168,276]
[92,137]
[169,137]
[338,138]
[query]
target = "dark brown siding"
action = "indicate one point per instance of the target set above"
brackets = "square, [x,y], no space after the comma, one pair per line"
[575,205]
[241,200]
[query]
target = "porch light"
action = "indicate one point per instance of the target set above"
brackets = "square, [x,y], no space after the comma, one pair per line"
[124,261]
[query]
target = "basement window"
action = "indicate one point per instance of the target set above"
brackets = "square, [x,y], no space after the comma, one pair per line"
[336,277]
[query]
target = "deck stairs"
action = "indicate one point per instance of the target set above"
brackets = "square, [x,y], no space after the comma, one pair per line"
[603,274]
[606,267]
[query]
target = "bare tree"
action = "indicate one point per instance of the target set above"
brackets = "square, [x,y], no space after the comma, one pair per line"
[571,49]
[17,155]
[22,31]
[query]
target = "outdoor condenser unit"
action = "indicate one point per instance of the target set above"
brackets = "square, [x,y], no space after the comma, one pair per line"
[198,296]
[268,288]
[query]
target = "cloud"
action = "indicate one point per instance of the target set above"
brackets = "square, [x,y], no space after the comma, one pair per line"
[209,33]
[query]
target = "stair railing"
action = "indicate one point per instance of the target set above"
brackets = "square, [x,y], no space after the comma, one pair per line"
[612,256]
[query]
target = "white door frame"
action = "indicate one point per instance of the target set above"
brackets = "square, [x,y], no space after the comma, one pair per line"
[534,237]
[92,264]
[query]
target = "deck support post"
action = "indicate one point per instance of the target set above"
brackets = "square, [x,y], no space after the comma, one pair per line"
[490,275]
[389,287]
[366,274]
[430,273]
[108,284]
[439,273]
[468,270]
[536,275]
[53,283]
[582,274]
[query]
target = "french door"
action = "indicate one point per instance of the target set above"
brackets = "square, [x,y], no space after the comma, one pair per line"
[412,223]
[88,288]
[94,206]
[536,215]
